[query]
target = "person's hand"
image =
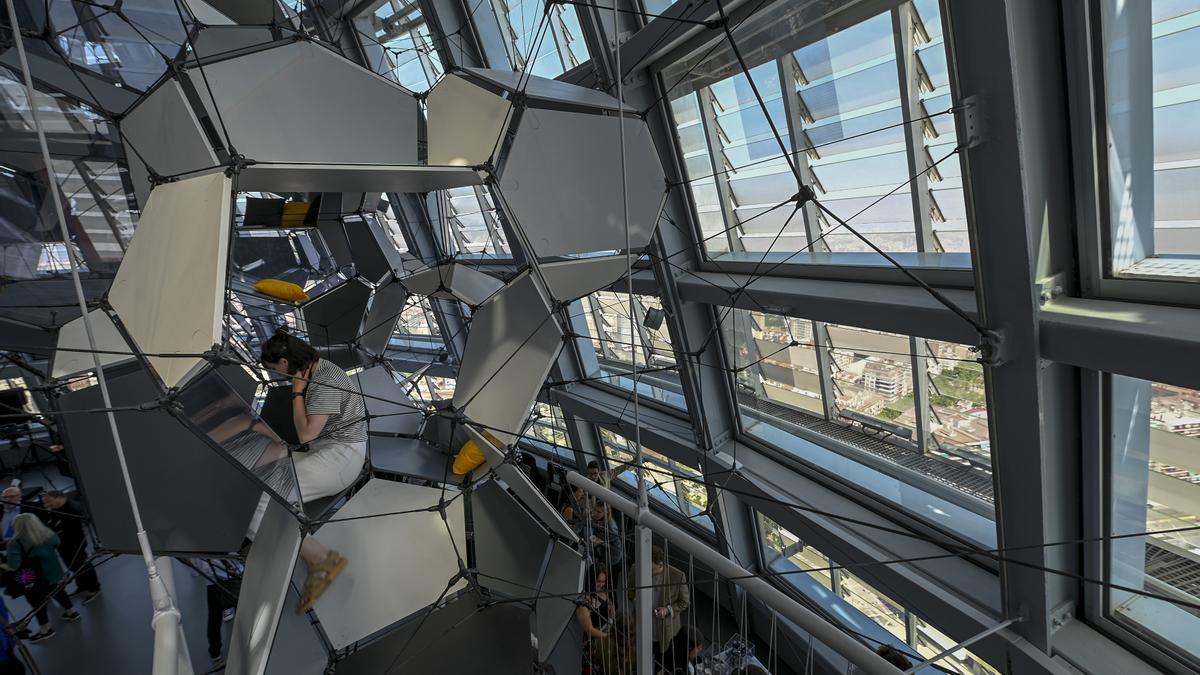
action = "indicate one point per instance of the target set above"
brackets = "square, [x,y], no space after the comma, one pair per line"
[661,612]
[300,379]
[56,449]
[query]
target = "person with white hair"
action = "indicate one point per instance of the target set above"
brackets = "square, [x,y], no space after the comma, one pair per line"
[37,572]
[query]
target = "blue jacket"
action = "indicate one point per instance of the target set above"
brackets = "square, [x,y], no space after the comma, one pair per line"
[46,556]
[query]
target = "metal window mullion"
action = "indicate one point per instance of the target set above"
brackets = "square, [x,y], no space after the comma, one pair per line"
[558,31]
[89,180]
[910,109]
[825,368]
[788,71]
[708,118]
[489,220]
[919,348]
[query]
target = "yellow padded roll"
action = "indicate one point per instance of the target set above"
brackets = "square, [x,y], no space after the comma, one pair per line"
[471,456]
[281,290]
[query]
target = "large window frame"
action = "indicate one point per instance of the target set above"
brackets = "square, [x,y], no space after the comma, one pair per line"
[1086,95]
[941,269]
[960,509]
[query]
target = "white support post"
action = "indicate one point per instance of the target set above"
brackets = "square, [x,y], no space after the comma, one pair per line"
[168,635]
[856,652]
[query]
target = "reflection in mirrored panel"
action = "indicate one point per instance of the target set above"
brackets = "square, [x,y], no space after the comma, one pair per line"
[213,407]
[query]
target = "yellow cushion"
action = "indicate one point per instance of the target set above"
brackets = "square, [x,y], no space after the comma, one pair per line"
[294,214]
[471,456]
[281,290]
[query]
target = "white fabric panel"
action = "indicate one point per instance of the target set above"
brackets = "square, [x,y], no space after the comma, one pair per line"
[301,103]
[170,288]
[354,178]
[465,122]
[462,282]
[398,564]
[164,131]
[73,335]
[513,342]
[564,577]
[565,167]
[264,589]
[543,89]
[571,279]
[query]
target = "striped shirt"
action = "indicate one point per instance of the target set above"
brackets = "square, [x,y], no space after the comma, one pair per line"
[330,392]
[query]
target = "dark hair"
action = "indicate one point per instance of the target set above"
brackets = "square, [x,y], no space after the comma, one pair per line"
[282,345]
[594,574]
[593,464]
[894,656]
[657,555]
[54,493]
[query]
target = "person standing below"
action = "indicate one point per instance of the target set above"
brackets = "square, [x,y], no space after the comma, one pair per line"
[331,418]
[10,499]
[66,518]
[671,600]
[33,558]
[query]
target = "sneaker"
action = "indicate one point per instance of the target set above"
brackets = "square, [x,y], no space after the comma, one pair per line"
[71,616]
[227,615]
[42,635]
[92,595]
[217,661]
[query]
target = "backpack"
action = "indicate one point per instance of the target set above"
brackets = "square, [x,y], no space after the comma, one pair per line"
[19,581]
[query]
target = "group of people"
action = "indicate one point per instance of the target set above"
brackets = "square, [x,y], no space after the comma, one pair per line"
[607,619]
[608,623]
[36,547]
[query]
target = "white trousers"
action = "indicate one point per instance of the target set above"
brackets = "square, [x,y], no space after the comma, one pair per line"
[325,470]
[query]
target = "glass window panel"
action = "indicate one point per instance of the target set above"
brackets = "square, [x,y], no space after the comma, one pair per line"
[667,481]
[774,359]
[1155,483]
[1152,89]
[560,46]
[872,376]
[877,606]
[785,553]
[929,642]
[957,401]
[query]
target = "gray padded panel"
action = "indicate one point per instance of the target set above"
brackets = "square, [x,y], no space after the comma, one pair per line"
[309,86]
[396,413]
[334,318]
[580,182]
[458,637]
[454,281]
[563,578]
[333,233]
[409,457]
[528,493]
[219,41]
[173,472]
[373,254]
[513,342]
[298,648]
[381,319]
[354,178]
[263,591]
[73,351]
[510,546]
[166,134]
[572,279]
[540,89]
